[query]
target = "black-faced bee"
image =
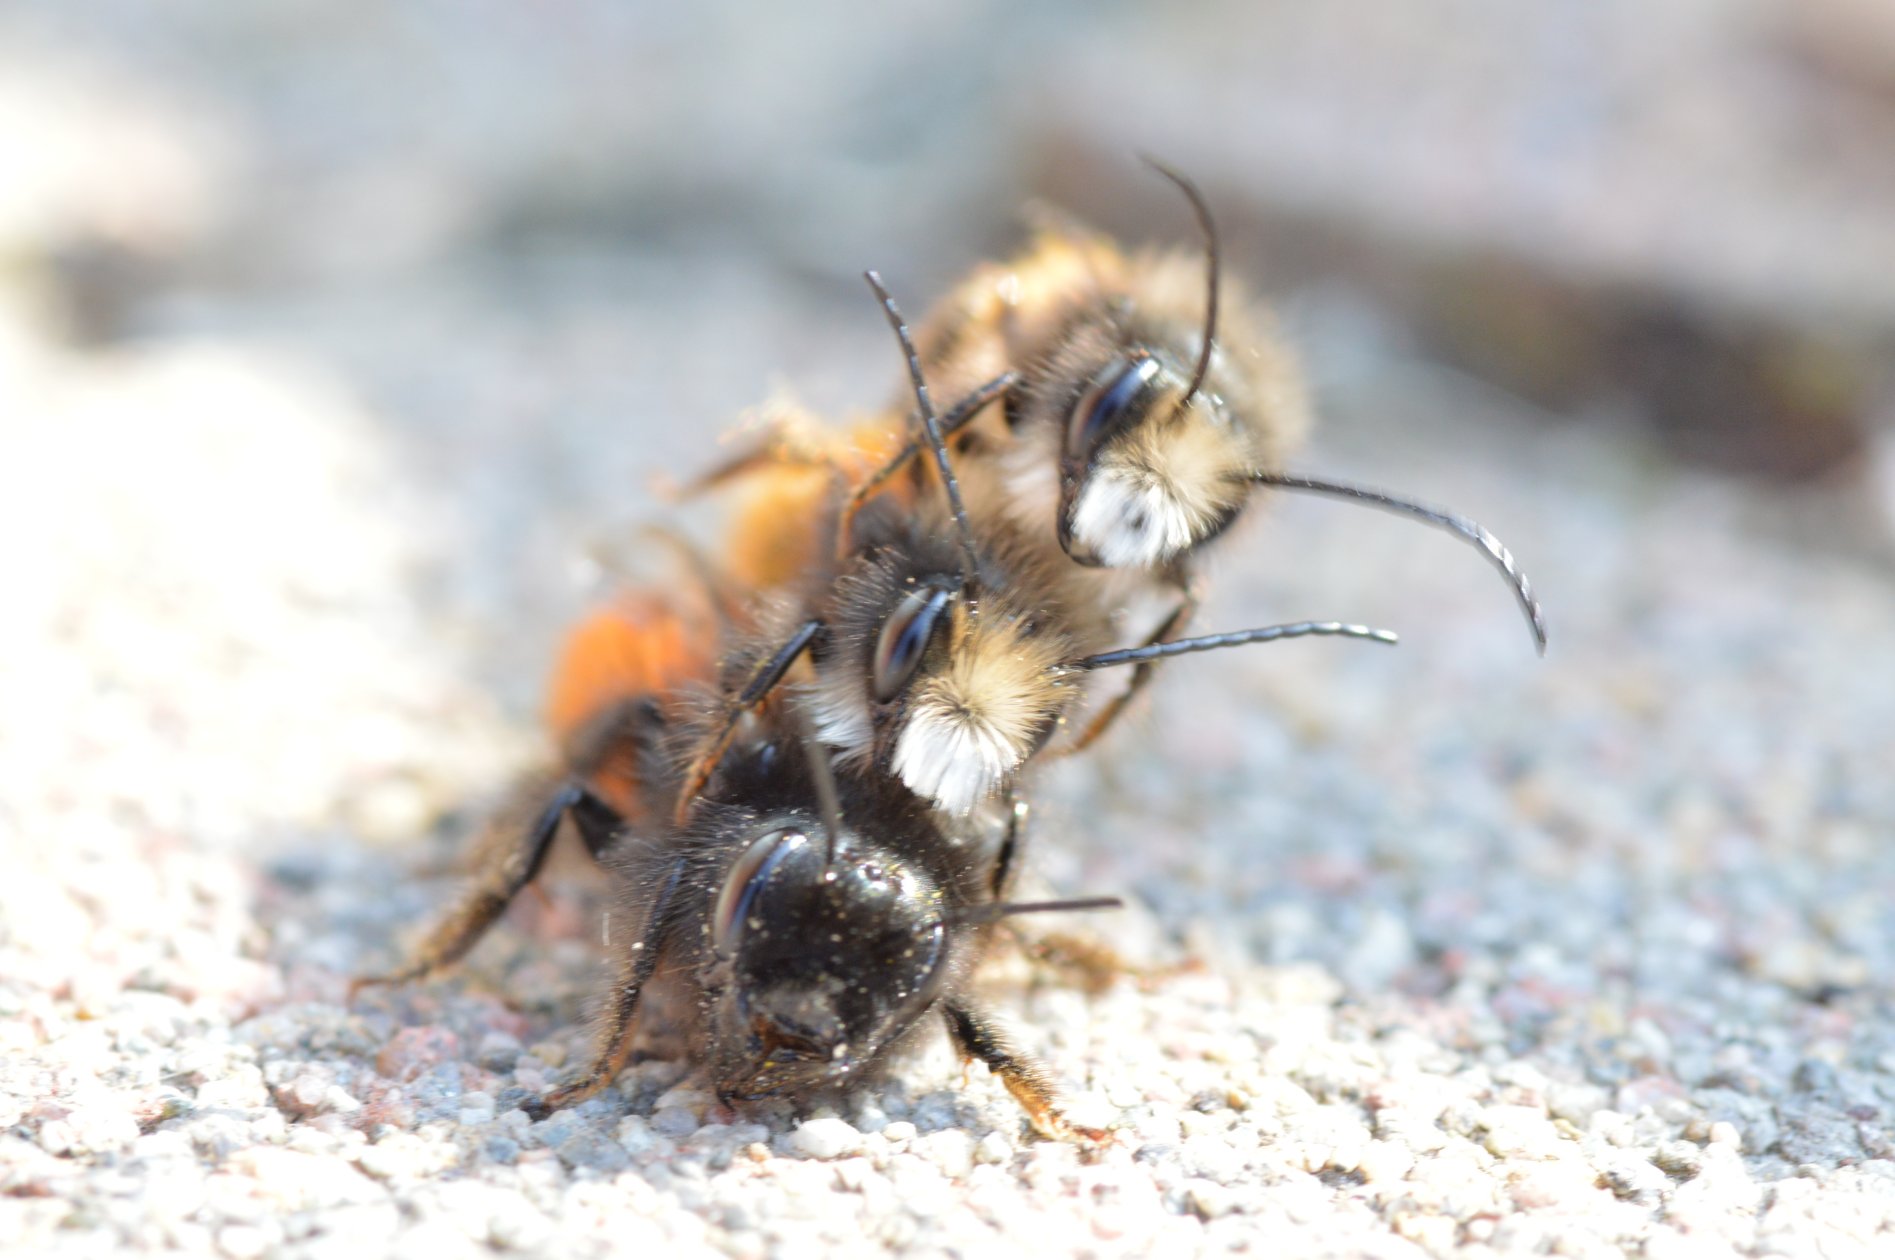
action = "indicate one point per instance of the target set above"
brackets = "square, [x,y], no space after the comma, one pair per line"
[815,920]
[819,920]
[932,643]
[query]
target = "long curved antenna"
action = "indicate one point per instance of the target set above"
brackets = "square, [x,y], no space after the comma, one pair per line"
[1202,210]
[828,801]
[957,418]
[1234,638]
[973,916]
[1472,531]
[970,559]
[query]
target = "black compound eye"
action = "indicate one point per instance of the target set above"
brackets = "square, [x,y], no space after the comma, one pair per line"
[1115,394]
[747,877]
[905,636]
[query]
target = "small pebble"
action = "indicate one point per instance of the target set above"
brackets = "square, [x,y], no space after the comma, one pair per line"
[240,1091]
[497,1051]
[476,1108]
[994,1148]
[827,1138]
[412,1051]
[57,1137]
[949,1150]
[1210,1200]
[675,1122]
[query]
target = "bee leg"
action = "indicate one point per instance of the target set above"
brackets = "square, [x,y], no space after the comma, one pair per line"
[976,1037]
[1095,963]
[597,823]
[610,751]
[765,455]
[614,1042]
[511,856]
[762,682]
[785,442]
[956,419]
[1007,862]
[1187,608]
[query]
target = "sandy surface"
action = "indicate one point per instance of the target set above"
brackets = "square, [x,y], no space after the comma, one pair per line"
[329,392]
[1585,954]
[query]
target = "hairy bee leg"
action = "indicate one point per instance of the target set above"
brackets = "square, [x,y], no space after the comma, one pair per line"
[956,419]
[976,1037]
[768,455]
[762,682]
[597,823]
[1141,673]
[505,870]
[781,446]
[636,968]
[1007,862]
[1096,963]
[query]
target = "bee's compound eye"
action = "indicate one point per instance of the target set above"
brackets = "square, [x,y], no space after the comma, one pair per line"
[746,879]
[1114,395]
[905,636]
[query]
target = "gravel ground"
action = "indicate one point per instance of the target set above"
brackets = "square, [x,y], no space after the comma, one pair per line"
[1489,955]
[332,376]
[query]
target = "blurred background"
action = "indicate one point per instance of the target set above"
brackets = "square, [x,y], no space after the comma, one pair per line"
[337,337]
[485,271]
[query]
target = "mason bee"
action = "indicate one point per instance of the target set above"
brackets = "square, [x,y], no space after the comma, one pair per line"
[1117,415]
[921,600]
[940,653]
[814,919]
[1144,409]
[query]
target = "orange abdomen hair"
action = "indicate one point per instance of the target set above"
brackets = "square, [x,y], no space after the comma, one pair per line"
[781,529]
[637,648]
[778,530]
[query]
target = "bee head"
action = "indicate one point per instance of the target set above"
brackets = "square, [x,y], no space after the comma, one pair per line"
[1149,468]
[1153,427]
[951,688]
[947,687]
[821,962]
[967,714]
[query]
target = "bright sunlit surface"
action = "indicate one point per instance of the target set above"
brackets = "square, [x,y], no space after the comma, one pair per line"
[343,350]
